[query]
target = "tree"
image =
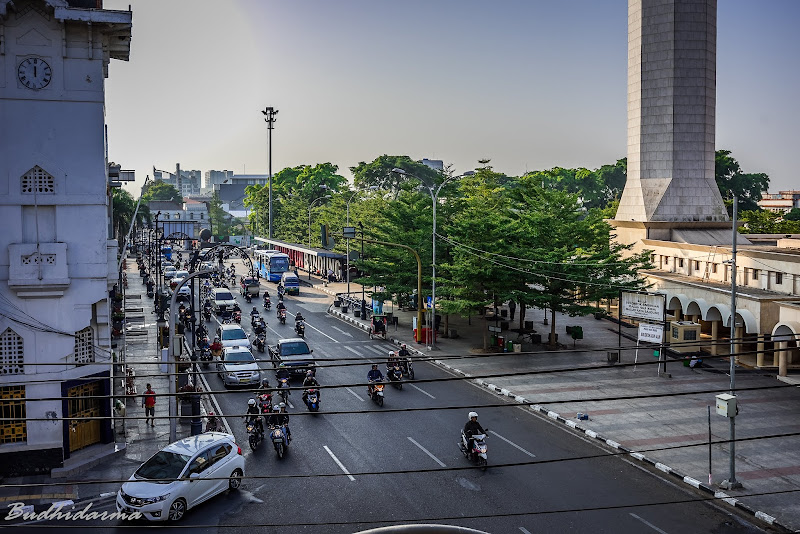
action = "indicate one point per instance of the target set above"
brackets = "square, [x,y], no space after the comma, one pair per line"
[747,187]
[219,218]
[160,190]
[766,222]
[122,210]
[379,173]
[792,215]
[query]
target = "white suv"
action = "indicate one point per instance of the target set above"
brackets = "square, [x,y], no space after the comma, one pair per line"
[182,475]
[221,299]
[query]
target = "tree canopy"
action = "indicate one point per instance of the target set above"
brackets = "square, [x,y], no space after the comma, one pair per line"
[160,190]
[747,187]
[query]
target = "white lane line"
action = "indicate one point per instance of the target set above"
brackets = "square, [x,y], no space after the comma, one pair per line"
[354,351]
[340,464]
[356,395]
[651,525]
[426,451]
[422,391]
[318,330]
[348,334]
[525,530]
[290,404]
[512,444]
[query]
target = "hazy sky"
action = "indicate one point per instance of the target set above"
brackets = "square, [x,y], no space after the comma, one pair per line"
[530,84]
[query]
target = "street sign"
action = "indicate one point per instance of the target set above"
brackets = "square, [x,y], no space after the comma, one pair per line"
[430,302]
[645,306]
[652,333]
[495,329]
[349,232]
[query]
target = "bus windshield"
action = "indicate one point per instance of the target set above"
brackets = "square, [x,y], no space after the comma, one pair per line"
[279,264]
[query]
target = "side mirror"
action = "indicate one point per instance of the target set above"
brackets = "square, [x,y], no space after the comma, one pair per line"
[312,351]
[193,476]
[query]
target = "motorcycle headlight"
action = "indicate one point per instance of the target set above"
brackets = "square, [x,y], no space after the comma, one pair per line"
[153,500]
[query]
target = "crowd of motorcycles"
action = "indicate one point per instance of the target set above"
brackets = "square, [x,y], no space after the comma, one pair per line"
[274,416]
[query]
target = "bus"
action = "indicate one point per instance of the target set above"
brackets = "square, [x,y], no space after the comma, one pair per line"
[166,250]
[270,264]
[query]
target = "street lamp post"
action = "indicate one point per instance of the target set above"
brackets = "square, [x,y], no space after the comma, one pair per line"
[347,257]
[435,199]
[269,114]
[363,300]
[309,225]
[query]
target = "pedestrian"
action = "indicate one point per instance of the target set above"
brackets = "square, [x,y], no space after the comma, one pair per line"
[512,308]
[149,405]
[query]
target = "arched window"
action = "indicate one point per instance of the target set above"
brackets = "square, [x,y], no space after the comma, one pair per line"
[11,353]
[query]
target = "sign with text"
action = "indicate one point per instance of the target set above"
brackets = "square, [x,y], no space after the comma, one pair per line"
[652,333]
[645,306]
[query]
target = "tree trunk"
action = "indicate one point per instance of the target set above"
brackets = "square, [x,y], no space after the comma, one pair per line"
[485,339]
[522,307]
[552,338]
[446,325]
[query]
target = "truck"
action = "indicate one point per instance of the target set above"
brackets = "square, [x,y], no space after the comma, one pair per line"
[295,354]
[249,284]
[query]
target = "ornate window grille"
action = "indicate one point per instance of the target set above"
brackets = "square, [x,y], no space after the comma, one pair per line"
[38,181]
[11,353]
[84,346]
[13,426]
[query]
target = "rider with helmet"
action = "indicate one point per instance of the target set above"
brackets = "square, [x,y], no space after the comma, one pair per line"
[253,414]
[310,382]
[282,372]
[374,375]
[471,428]
[279,418]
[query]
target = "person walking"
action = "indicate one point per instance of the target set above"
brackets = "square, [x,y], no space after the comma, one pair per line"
[149,405]
[512,308]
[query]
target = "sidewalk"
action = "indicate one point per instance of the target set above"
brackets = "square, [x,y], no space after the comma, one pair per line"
[135,442]
[667,427]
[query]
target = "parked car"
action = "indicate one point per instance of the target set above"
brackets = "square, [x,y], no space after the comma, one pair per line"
[182,475]
[238,367]
[233,335]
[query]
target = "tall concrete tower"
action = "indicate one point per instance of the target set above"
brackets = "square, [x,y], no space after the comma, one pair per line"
[671,118]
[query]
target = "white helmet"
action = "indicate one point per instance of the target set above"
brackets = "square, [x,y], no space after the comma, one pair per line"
[391,353]
[251,402]
[473,414]
[282,405]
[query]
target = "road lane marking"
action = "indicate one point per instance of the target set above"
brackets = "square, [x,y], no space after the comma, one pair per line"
[525,530]
[648,524]
[512,444]
[423,391]
[348,334]
[354,351]
[426,451]
[318,330]
[355,394]
[340,464]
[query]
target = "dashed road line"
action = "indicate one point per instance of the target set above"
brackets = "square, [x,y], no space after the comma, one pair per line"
[340,464]
[426,451]
[422,391]
[651,525]
[512,444]
[356,395]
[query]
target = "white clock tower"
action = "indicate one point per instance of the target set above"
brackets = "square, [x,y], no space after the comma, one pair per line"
[57,261]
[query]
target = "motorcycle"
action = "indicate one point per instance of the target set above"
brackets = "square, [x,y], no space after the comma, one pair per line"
[311,398]
[279,441]
[300,328]
[253,434]
[205,357]
[265,402]
[267,303]
[260,341]
[248,298]
[376,393]
[282,316]
[283,389]
[477,453]
[207,314]
[395,375]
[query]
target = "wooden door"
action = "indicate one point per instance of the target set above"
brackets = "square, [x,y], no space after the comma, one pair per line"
[82,431]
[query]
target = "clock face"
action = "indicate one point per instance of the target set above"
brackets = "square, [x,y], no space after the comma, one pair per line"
[34,73]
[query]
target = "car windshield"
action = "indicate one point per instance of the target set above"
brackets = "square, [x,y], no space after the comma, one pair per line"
[234,333]
[295,347]
[164,465]
[291,280]
[182,274]
[250,281]
[239,357]
[224,295]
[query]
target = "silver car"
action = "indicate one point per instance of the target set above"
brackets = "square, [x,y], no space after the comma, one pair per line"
[238,367]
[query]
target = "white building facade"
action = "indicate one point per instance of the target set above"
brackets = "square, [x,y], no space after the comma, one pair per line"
[57,263]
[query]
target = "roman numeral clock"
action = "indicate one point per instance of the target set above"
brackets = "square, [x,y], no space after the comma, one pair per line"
[34,73]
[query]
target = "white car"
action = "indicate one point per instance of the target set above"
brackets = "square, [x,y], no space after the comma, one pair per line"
[182,475]
[169,272]
[233,335]
[238,367]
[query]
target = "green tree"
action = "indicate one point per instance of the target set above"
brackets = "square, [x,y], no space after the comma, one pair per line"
[792,215]
[379,173]
[732,182]
[122,210]
[160,190]
[219,218]
[766,222]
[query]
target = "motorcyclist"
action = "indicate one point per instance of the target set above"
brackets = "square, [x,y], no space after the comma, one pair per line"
[471,428]
[310,381]
[281,289]
[253,416]
[299,317]
[374,375]
[282,373]
[280,419]
[254,314]
[392,360]
[403,352]
[216,347]
[264,389]
[279,307]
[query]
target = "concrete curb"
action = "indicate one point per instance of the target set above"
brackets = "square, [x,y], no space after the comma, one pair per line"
[736,503]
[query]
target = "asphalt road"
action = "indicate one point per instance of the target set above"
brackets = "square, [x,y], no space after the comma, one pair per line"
[349,472]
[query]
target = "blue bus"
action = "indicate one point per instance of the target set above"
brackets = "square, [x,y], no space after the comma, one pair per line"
[270,264]
[166,250]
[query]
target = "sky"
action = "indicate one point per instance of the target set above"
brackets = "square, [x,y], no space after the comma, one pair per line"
[528,84]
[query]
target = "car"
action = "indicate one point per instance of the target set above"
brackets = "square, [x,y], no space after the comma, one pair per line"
[221,300]
[249,284]
[182,475]
[184,293]
[233,335]
[238,367]
[177,278]
[294,353]
[169,272]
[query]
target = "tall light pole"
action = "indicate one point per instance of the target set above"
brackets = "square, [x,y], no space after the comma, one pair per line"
[269,114]
[435,199]
[309,225]
[347,258]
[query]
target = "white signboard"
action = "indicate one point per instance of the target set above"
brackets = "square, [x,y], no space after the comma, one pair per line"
[646,306]
[652,333]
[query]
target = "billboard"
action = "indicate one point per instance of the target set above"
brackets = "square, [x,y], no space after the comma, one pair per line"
[643,306]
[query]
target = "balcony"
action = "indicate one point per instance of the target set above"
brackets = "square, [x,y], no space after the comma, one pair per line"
[38,271]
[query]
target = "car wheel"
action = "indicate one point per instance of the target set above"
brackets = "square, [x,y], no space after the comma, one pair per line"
[177,510]
[235,481]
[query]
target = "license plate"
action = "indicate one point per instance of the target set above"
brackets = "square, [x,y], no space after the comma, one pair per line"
[244,380]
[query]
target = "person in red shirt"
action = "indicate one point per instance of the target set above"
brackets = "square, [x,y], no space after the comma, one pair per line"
[149,404]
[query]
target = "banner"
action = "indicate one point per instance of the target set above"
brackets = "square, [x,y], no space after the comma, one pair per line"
[644,306]
[652,333]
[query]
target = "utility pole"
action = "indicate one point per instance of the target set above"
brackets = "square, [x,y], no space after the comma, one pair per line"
[269,114]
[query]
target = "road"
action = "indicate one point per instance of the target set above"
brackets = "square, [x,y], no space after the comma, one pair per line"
[346,472]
